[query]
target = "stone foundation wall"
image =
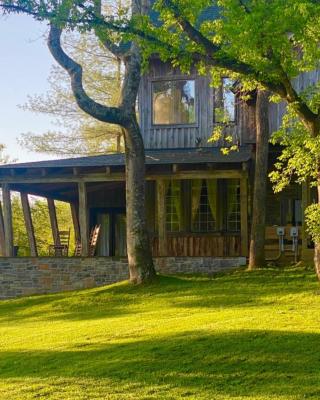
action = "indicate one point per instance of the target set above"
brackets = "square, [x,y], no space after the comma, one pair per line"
[26,276]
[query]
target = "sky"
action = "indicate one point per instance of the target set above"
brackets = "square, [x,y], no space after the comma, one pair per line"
[25,64]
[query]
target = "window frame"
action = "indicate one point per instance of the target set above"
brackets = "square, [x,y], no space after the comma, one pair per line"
[229,123]
[196,101]
[237,221]
[214,221]
[169,221]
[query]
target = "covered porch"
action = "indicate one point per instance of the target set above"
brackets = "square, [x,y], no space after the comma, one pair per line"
[196,201]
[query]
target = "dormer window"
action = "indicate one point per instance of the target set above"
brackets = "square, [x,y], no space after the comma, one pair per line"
[173,102]
[225,103]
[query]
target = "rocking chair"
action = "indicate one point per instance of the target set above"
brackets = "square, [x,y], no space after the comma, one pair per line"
[93,239]
[61,249]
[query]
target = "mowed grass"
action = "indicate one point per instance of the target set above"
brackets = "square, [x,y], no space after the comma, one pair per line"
[236,336]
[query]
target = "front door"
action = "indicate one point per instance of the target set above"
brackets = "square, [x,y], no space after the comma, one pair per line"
[112,237]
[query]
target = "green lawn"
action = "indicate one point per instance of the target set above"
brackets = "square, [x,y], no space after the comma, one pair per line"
[237,336]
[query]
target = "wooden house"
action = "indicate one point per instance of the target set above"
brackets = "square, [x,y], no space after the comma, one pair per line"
[198,201]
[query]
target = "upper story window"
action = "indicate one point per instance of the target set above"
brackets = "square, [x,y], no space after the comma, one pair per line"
[173,102]
[225,102]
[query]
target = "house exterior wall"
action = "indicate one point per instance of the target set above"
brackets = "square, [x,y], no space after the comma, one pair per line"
[175,136]
[29,276]
[193,135]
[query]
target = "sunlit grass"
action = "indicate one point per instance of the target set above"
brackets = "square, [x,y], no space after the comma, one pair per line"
[237,336]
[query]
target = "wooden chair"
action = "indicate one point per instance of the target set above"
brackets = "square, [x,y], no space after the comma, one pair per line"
[62,249]
[93,240]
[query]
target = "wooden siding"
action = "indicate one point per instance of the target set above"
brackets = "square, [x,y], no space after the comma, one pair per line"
[191,245]
[177,136]
[171,136]
[277,111]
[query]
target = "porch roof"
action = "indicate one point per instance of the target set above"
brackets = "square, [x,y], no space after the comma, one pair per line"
[202,155]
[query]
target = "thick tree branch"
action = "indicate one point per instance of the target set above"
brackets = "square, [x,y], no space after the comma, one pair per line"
[131,81]
[310,119]
[103,113]
[216,57]
[115,49]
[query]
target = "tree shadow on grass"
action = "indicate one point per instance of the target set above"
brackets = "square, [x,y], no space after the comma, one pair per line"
[230,364]
[236,289]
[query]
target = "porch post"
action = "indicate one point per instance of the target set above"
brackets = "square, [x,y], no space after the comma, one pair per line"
[7,220]
[83,219]
[2,237]
[75,219]
[161,208]
[29,225]
[244,215]
[305,201]
[53,221]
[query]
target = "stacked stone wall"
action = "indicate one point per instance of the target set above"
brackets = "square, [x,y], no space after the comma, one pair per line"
[27,276]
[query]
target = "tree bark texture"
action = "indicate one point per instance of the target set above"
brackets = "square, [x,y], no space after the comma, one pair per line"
[317,244]
[141,267]
[257,237]
[138,245]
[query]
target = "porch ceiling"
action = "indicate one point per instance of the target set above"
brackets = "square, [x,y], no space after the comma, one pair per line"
[59,179]
[63,191]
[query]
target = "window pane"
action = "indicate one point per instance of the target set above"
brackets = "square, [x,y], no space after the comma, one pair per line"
[173,102]
[224,109]
[173,206]
[233,205]
[204,205]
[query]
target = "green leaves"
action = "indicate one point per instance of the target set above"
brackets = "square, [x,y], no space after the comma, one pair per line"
[312,216]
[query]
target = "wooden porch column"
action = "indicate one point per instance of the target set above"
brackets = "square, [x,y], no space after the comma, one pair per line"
[53,221]
[7,220]
[305,202]
[75,219]
[2,237]
[161,211]
[244,216]
[83,219]
[29,225]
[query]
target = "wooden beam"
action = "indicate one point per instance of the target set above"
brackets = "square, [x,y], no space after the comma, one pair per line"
[161,213]
[53,221]
[83,219]
[75,219]
[29,225]
[7,220]
[120,177]
[2,237]
[244,216]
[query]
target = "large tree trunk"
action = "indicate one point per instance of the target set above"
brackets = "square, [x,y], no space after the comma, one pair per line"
[317,259]
[140,260]
[317,244]
[257,238]
[141,267]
